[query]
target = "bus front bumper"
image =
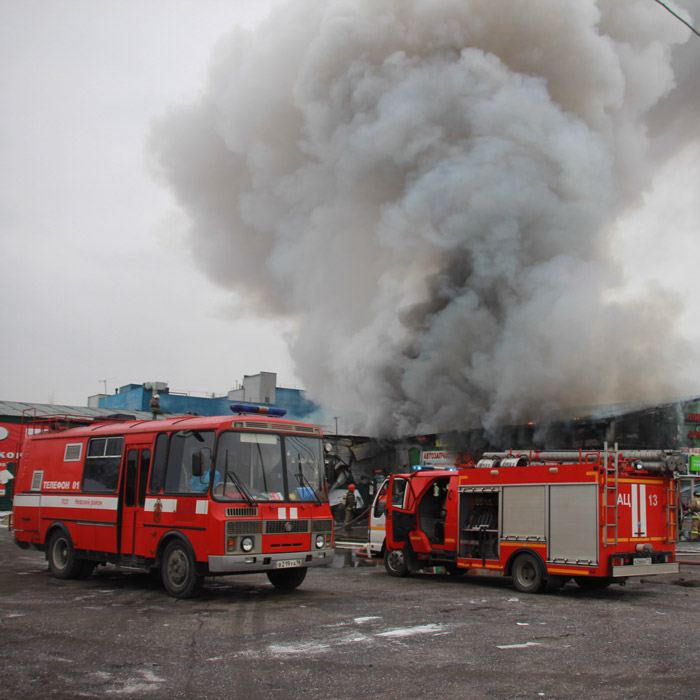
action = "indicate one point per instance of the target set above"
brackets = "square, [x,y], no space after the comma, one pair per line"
[249,563]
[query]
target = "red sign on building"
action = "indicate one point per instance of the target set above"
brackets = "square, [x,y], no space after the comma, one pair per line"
[9,450]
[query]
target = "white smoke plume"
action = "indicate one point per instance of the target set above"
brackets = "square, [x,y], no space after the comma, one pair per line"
[428,189]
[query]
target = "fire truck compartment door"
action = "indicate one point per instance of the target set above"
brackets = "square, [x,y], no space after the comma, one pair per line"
[524,512]
[573,522]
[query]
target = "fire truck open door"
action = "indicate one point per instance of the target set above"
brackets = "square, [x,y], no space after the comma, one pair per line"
[133,496]
[401,518]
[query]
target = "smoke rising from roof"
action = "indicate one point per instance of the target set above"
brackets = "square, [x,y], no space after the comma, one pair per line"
[428,189]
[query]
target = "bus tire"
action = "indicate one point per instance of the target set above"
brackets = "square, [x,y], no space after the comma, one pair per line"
[527,573]
[287,579]
[395,562]
[179,571]
[61,555]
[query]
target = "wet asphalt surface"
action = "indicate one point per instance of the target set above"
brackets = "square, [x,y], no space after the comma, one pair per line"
[347,633]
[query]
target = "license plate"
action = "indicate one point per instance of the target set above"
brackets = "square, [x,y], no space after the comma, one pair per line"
[288,563]
[642,561]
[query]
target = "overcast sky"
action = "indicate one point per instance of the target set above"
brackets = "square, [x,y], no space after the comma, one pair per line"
[97,287]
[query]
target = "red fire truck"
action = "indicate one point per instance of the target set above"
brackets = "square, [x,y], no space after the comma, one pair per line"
[188,496]
[540,517]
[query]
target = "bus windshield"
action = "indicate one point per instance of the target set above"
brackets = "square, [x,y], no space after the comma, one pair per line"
[266,467]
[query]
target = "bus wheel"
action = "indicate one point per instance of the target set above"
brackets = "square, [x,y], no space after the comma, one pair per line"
[395,562]
[527,574]
[61,555]
[179,571]
[592,583]
[287,579]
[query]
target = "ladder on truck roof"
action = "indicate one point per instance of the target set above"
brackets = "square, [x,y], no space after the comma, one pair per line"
[671,507]
[609,469]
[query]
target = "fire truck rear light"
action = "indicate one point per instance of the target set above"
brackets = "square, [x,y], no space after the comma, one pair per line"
[617,561]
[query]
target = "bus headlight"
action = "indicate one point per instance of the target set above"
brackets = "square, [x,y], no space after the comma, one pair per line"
[247,544]
[320,541]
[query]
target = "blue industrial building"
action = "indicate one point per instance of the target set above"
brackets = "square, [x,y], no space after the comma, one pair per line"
[258,389]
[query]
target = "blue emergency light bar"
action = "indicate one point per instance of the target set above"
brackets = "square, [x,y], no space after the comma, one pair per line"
[260,410]
[431,468]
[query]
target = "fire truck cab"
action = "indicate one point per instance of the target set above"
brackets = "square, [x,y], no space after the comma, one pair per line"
[541,518]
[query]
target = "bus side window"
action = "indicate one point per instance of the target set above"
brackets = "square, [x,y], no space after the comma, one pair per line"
[158,472]
[102,464]
[183,445]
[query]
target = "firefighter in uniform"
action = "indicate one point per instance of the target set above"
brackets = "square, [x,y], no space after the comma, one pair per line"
[349,501]
[156,410]
[695,512]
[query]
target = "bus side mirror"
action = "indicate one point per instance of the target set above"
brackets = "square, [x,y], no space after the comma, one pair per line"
[197,463]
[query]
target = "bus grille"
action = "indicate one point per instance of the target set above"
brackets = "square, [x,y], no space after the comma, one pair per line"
[322,526]
[242,527]
[283,527]
[241,512]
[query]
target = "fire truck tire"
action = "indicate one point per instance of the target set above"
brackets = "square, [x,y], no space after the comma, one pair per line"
[592,583]
[395,562]
[287,579]
[179,571]
[527,574]
[62,560]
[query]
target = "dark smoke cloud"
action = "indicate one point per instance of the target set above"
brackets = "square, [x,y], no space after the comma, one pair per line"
[429,189]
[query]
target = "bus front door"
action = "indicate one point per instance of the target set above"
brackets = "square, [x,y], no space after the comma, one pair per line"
[133,497]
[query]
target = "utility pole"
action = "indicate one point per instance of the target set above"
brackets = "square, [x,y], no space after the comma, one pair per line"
[335,418]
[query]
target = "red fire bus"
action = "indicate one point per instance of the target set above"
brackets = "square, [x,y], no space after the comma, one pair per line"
[187,496]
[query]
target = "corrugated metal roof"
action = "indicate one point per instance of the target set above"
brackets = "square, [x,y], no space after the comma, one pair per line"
[16,408]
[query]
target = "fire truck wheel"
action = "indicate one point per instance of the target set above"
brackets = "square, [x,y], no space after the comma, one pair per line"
[61,555]
[592,583]
[287,579]
[179,571]
[395,562]
[527,574]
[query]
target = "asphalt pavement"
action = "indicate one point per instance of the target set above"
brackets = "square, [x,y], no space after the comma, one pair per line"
[348,633]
